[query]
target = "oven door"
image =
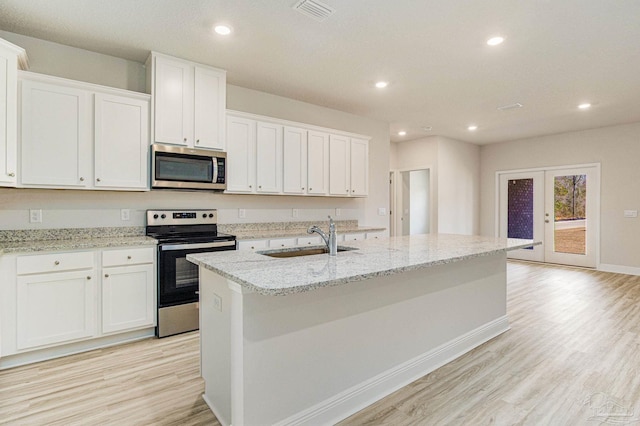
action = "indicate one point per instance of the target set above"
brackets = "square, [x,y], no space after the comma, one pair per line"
[177,277]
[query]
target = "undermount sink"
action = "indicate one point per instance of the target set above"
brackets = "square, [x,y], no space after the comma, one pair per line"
[303,251]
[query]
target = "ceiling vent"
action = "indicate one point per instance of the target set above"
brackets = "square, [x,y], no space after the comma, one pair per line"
[509,107]
[314,9]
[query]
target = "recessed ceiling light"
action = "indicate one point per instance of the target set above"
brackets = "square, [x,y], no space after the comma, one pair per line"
[222,29]
[584,106]
[494,41]
[472,127]
[382,84]
[402,133]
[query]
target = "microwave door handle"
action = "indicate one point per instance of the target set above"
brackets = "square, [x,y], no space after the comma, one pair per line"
[196,246]
[215,170]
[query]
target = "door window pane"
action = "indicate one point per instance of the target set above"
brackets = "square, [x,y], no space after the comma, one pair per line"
[520,209]
[570,214]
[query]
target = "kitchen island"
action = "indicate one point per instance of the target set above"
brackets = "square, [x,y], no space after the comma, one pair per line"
[314,339]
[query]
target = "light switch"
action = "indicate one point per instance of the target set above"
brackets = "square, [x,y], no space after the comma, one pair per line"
[35,216]
[242,213]
[631,213]
[382,211]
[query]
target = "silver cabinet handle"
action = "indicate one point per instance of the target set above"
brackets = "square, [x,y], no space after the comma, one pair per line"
[185,139]
[12,174]
[353,190]
[128,257]
[250,186]
[310,189]
[347,190]
[57,262]
[89,277]
[81,179]
[259,186]
[546,221]
[106,275]
[197,140]
[303,188]
[98,179]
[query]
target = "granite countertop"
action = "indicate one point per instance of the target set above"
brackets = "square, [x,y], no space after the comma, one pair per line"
[28,241]
[281,276]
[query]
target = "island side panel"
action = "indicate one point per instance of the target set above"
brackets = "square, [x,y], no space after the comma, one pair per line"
[215,343]
[319,356]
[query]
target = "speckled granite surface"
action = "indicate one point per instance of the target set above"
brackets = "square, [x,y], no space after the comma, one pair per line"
[252,231]
[273,276]
[25,241]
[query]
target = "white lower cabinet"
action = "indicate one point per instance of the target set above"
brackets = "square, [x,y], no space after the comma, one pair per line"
[55,307]
[282,242]
[376,235]
[253,244]
[127,297]
[354,237]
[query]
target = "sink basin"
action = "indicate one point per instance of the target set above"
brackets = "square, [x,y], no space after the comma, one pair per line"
[296,252]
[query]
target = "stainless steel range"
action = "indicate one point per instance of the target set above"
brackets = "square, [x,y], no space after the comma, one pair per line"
[179,233]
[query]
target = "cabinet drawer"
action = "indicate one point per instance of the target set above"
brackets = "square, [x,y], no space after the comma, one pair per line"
[132,256]
[304,241]
[374,235]
[56,262]
[354,237]
[282,242]
[252,244]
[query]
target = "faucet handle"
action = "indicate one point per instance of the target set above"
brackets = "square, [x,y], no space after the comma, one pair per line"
[332,225]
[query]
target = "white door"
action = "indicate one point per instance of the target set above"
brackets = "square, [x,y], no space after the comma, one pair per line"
[359,157]
[339,164]
[269,158]
[173,121]
[294,165]
[55,308]
[127,297]
[56,135]
[121,142]
[559,207]
[210,101]
[241,154]
[318,163]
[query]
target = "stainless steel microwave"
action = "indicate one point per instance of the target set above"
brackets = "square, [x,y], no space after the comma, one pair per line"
[177,167]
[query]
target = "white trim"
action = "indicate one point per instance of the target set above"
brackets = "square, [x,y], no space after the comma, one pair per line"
[433,197]
[619,269]
[352,400]
[221,419]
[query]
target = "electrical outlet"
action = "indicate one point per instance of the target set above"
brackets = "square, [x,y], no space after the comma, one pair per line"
[35,216]
[242,213]
[338,212]
[125,214]
[382,211]
[294,212]
[217,302]
[631,213]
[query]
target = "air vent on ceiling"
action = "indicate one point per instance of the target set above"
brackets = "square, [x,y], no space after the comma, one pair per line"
[511,106]
[314,9]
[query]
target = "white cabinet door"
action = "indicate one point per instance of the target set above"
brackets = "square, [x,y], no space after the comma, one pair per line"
[241,155]
[339,160]
[252,244]
[128,298]
[56,135]
[359,158]
[55,308]
[210,100]
[294,167]
[318,163]
[121,142]
[173,122]
[8,116]
[268,158]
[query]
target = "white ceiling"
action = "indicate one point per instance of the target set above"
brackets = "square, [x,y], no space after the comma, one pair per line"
[442,74]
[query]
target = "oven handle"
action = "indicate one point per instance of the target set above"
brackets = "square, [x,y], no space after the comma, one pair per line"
[196,246]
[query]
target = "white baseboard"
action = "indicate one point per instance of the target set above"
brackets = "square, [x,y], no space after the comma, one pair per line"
[223,421]
[619,269]
[354,399]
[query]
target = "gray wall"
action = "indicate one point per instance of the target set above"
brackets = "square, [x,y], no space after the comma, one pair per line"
[616,148]
[72,208]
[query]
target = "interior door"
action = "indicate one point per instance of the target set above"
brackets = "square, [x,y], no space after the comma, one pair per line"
[558,207]
[571,216]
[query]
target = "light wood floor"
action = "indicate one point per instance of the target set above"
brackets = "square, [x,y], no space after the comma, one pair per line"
[571,358]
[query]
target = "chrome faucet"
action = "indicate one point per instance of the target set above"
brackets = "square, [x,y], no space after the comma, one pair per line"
[330,240]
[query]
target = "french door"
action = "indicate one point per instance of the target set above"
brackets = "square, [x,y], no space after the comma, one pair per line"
[559,207]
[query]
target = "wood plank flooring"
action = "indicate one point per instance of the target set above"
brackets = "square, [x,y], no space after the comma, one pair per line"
[571,358]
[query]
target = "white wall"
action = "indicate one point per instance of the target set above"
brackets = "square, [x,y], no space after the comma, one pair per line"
[72,208]
[616,148]
[454,173]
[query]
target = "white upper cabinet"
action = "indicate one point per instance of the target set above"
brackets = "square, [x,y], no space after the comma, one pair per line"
[241,154]
[294,150]
[121,142]
[318,163]
[189,102]
[56,135]
[82,136]
[9,55]
[359,159]
[339,160]
[268,158]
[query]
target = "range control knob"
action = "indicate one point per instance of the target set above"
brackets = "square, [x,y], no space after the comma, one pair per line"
[155,216]
[163,216]
[204,215]
[210,214]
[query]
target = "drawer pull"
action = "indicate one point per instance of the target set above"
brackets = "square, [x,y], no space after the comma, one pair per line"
[106,275]
[89,277]
[57,262]
[128,257]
